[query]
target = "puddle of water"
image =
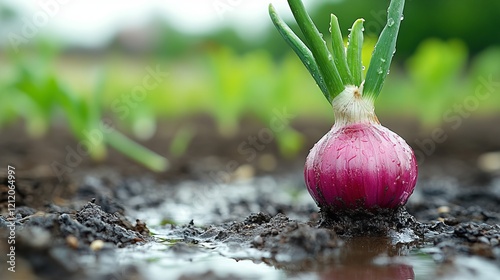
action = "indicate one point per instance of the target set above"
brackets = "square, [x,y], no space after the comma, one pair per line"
[197,201]
[156,262]
[359,258]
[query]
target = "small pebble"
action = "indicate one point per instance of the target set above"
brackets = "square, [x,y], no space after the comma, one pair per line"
[483,240]
[96,245]
[451,221]
[494,242]
[443,209]
[257,241]
[489,162]
[72,241]
[244,172]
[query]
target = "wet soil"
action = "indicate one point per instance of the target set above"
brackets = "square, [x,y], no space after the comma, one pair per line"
[121,222]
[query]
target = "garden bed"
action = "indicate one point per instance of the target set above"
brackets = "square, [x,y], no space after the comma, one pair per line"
[114,220]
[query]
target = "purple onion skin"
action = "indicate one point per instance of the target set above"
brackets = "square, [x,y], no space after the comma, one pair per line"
[360,166]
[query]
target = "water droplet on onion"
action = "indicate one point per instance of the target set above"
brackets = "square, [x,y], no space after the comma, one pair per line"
[390,22]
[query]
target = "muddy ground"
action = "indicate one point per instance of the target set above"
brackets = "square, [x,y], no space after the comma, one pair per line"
[115,220]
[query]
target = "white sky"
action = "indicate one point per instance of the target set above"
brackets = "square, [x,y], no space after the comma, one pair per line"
[92,22]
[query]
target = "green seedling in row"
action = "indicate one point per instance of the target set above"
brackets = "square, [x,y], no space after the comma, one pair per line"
[39,95]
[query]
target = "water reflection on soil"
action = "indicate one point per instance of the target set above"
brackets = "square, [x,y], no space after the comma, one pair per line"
[356,260]
[366,258]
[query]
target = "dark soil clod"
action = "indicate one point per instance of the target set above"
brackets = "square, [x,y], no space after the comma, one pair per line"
[361,222]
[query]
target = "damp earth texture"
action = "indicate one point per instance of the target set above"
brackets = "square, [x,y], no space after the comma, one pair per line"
[122,222]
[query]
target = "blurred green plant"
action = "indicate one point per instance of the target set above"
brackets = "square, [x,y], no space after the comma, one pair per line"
[252,89]
[228,87]
[437,67]
[37,95]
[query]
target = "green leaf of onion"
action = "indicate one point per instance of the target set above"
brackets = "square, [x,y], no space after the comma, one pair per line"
[318,47]
[300,49]
[384,50]
[339,51]
[354,51]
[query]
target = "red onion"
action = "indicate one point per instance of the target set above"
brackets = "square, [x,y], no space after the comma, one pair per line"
[359,164]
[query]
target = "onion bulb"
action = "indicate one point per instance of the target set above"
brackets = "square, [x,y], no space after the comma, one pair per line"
[359,164]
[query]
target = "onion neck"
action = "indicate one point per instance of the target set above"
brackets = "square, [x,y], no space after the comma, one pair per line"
[351,107]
